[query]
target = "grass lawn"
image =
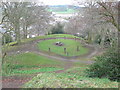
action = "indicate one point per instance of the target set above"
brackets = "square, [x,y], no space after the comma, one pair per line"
[70,45]
[31,63]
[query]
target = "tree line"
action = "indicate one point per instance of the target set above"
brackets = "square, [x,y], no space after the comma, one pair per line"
[21,19]
[99,21]
[96,22]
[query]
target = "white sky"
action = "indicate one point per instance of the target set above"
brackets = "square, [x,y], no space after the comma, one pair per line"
[57,2]
[68,2]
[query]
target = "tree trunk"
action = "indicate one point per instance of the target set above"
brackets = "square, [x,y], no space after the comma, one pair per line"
[4,40]
[17,32]
[25,31]
[119,41]
[38,34]
[89,37]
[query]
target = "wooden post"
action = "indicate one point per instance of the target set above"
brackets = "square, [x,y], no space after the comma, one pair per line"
[65,50]
[77,48]
[49,49]
[67,53]
[75,38]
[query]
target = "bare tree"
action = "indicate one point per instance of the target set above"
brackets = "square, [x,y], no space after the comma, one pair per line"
[96,19]
[24,15]
[109,12]
[14,10]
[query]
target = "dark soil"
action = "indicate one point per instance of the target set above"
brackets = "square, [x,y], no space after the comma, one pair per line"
[14,81]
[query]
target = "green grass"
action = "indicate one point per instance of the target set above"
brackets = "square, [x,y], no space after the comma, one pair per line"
[68,80]
[45,69]
[74,77]
[70,45]
[31,59]
[68,11]
[62,35]
[30,63]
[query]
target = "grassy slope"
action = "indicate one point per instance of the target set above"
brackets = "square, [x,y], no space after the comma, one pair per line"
[32,63]
[62,35]
[70,45]
[31,59]
[73,78]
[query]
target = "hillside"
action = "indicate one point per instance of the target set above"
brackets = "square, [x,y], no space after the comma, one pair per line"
[33,65]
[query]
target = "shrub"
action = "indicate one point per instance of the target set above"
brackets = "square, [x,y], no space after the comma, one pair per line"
[7,68]
[58,29]
[49,33]
[106,65]
[98,39]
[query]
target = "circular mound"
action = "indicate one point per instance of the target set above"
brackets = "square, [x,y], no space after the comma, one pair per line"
[70,47]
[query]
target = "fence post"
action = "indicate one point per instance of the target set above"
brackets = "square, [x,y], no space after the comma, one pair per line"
[65,50]
[77,48]
[67,53]
[75,38]
[49,49]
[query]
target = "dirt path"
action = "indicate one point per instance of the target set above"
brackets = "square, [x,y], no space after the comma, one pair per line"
[17,82]
[14,81]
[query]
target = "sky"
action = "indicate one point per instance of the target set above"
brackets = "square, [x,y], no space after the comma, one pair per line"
[68,2]
[57,2]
